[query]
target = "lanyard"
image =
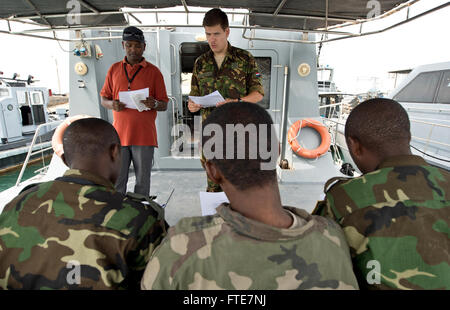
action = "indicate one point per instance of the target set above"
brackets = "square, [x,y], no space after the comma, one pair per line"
[134,75]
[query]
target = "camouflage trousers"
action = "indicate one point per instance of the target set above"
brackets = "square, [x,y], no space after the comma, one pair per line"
[211,187]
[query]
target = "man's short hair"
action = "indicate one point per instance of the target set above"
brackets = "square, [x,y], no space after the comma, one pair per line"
[244,169]
[88,138]
[216,17]
[379,124]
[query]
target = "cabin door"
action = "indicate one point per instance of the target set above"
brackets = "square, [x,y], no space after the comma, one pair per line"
[37,107]
[187,124]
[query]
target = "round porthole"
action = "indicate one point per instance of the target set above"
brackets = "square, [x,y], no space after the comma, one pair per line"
[10,107]
[304,69]
[81,68]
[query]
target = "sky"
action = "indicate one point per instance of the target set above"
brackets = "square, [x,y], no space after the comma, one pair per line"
[359,63]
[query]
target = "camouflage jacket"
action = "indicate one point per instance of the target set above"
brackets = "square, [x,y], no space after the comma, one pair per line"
[237,77]
[397,223]
[77,232]
[229,251]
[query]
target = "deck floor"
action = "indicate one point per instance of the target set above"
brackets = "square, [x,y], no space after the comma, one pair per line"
[185,201]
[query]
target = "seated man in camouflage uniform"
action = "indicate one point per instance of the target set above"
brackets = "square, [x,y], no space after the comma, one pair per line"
[78,232]
[253,242]
[396,216]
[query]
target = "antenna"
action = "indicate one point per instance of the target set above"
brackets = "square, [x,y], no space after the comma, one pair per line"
[170,196]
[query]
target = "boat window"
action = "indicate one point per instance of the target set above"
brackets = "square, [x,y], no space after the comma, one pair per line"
[265,70]
[421,89]
[4,92]
[444,89]
[36,99]
[189,53]
[186,79]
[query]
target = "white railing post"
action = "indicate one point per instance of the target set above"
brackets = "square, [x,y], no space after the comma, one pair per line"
[30,150]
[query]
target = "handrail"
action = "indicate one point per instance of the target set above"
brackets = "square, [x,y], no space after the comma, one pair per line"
[42,150]
[174,102]
[174,59]
[427,109]
[413,137]
[332,105]
[428,123]
[30,150]
[333,121]
[432,141]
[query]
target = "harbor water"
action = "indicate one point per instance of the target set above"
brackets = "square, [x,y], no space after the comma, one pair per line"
[9,179]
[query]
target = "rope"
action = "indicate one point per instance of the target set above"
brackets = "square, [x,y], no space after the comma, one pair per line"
[298,133]
[59,43]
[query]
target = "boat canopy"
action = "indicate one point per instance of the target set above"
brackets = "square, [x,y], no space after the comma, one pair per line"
[266,13]
[321,16]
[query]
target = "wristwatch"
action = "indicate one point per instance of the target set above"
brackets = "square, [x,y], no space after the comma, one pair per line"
[156,104]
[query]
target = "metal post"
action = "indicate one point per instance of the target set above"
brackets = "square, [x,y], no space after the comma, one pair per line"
[158,51]
[30,150]
[428,139]
[284,114]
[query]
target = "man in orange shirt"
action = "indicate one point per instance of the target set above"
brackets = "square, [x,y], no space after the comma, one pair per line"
[137,130]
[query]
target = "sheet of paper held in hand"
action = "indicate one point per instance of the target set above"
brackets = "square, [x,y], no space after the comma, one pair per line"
[209,100]
[210,201]
[132,99]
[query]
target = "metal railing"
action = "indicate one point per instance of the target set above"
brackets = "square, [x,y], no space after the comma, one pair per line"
[31,153]
[334,131]
[428,141]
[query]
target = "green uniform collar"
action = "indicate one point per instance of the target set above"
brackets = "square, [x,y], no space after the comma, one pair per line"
[83,174]
[261,231]
[402,160]
[231,53]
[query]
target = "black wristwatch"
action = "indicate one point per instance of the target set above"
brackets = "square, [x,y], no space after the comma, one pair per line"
[239,99]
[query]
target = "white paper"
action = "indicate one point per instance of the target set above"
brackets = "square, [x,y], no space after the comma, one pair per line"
[210,201]
[132,99]
[209,100]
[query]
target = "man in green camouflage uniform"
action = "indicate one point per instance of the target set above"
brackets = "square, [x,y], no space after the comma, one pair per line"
[396,216]
[230,70]
[253,242]
[78,232]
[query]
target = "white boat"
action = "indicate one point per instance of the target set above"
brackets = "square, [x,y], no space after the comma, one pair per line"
[425,95]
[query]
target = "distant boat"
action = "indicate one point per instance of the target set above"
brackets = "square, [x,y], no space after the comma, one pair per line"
[425,95]
[23,109]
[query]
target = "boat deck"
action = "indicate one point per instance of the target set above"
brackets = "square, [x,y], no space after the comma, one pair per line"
[185,201]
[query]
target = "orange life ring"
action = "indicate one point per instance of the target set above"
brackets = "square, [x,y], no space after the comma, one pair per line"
[57,139]
[319,127]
